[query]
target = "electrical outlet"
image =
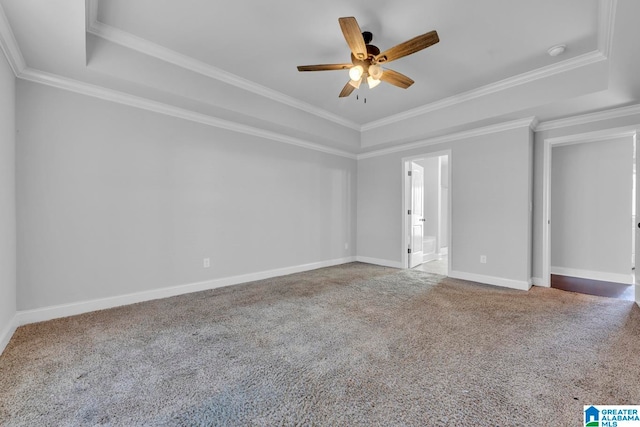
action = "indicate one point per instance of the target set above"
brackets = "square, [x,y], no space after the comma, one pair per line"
[346,246]
[483,259]
[206,263]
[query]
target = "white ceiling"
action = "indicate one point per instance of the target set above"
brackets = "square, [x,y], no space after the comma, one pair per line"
[232,61]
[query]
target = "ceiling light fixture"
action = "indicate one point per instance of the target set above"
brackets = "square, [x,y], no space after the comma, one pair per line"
[557,50]
[372,82]
[375,71]
[365,57]
[356,72]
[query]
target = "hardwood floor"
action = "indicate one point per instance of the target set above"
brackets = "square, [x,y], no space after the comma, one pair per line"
[593,287]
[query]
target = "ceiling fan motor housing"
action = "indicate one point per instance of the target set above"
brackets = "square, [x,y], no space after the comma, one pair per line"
[367,36]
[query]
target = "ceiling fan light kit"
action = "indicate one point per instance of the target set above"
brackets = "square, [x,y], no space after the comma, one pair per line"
[372,82]
[365,58]
[356,72]
[375,71]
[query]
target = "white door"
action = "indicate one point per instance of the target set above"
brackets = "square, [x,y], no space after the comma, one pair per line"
[416,215]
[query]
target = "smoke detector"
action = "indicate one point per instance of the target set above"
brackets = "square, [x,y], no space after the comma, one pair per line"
[557,50]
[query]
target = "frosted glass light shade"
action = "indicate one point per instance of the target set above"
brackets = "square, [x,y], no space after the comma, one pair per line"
[375,71]
[356,72]
[372,82]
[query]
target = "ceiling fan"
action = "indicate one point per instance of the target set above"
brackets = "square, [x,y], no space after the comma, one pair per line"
[366,58]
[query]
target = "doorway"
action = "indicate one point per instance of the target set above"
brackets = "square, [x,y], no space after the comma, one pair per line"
[427,212]
[589,198]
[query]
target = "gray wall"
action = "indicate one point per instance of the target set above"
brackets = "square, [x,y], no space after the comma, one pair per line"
[591,209]
[7,198]
[115,200]
[490,194]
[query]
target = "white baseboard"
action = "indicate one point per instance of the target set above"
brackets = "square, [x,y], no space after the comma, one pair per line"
[638,295]
[627,279]
[24,317]
[538,281]
[491,280]
[444,251]
[377,261]
[7,333]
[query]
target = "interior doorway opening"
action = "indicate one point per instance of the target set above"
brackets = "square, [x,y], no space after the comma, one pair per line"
[427,212]
[588,207]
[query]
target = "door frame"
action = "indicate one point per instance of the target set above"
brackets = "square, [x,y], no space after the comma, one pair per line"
[549,143]
[406,200]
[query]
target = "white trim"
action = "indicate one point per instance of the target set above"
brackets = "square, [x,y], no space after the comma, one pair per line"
[596,136]
[24,317]
[549,143]
[91,13]
[546,211]
[491,280]
[615,113]
[508,83]
[537,281]
[606,24]
[88,89]
[377,261]
[7,333]
[500,127]
[9,45]
[627,279]
[147,47]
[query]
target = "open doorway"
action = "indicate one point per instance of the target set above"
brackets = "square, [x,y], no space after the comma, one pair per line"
[590,202]
[426,212]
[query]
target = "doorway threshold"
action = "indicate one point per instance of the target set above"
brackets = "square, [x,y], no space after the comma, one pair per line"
[593,287]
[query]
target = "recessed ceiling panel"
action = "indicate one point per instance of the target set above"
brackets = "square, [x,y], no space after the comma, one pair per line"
[480,42]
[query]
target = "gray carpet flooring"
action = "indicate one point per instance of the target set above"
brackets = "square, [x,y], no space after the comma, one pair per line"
[349,345]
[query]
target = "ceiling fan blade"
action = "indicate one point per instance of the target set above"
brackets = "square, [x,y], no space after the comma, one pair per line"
[353,36]
[395,78]
[346,90]
[324,67]
[407,48]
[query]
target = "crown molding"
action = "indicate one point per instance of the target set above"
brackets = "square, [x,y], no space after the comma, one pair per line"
[595,136]
[9,45]
[146,47]
[100,92]
[615,113]
[606,25]
[606,22]
[91,13]
[485,130]
[528,77]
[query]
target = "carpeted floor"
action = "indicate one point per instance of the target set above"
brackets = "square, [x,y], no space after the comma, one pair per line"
[349,345]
